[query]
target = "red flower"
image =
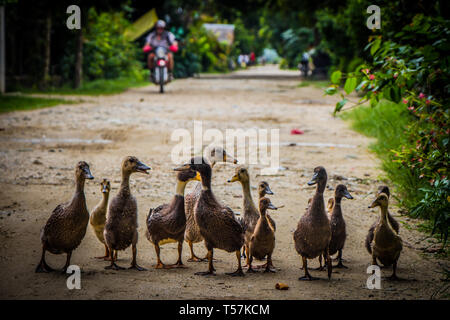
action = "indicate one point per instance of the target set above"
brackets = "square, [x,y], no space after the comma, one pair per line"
[427,101]
[372,77]
[395,75]
[420,160]
[411,108]
[421,96]
[405,101]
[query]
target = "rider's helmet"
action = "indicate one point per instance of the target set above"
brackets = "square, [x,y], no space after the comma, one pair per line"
[160,24]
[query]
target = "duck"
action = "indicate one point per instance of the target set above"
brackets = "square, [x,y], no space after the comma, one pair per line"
[263,189]
[250,215]
[167,223]
[313,233]
[121,221]
[192,234]
[337,223]
[387,245]
[262,242]
[394,224]
[97,219]
[66,226]
[217,223]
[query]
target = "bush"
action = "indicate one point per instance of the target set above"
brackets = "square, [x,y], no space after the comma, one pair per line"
[412,70]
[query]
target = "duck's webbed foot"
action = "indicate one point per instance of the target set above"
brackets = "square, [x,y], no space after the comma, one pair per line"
[237,273]
[135,266]
[114,266]
[307,277]
[194,258]
[43,267]
[179,264]
[340,265]
[206,273]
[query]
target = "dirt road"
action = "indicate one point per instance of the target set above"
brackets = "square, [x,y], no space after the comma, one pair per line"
[38,150]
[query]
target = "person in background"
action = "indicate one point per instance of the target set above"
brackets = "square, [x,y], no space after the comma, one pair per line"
[160,38]
[252,58]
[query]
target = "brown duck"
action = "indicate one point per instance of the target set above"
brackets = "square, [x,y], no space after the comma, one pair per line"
[387,245]
[98,216]
[263,189]
[167,223]
[250,215]
[262,242]
[313,233]
[217,223]
[394,224]
[67,224]
[337,223]
[121,222]
[192,234]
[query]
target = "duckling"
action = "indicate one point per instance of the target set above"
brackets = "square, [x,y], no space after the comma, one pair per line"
[250,215]
[167,223]
[337,223]
[66,227]
[192,234]
[217,223]
[387,245]
[330,204]
[121,222]
[313,233]
[263,189]
[98,216]
[394,224]
[262,241]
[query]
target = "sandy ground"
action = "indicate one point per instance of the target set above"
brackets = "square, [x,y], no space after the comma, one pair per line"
[38,150]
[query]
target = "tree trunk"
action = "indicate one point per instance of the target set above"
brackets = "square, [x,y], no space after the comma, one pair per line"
[48,25]
[79,60]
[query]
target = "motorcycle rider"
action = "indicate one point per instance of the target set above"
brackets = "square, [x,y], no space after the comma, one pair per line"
[160,38]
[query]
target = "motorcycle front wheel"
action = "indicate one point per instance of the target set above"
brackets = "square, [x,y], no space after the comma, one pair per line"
[161,80]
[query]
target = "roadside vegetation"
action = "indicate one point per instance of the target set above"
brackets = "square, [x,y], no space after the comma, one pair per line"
[10,103]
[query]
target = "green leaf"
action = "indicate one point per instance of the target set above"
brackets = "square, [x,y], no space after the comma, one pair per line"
[336,77]
[361,85]
[350,85]
[340,105]
[375,46]
[330,91]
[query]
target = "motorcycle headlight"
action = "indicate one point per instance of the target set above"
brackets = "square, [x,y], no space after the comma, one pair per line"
[160,52]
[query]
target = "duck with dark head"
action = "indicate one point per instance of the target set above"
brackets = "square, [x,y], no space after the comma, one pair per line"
[67,224]
[313,234]
[387,245]
[192,234]
[167,223]
[121,222]
[262,241]
[216,222]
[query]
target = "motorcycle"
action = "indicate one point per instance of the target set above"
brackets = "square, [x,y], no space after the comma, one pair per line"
[160,72]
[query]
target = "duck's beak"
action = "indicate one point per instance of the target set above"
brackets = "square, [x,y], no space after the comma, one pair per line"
[347,195]
[87,174]
[313,180]
[228,158]
[235,178]
[267,190]
[272,207]
[183,167]
[374,204]
[198,177]
[140,167]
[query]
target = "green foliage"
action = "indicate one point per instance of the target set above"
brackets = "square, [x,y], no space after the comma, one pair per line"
[18,103]
[412,70]
[106,52]
[295,42]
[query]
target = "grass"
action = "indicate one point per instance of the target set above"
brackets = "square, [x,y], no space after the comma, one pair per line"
[18,103]
[386,123]
[320,84]
[95,87]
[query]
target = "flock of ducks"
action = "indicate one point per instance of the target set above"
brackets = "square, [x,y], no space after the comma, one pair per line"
[199,216]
